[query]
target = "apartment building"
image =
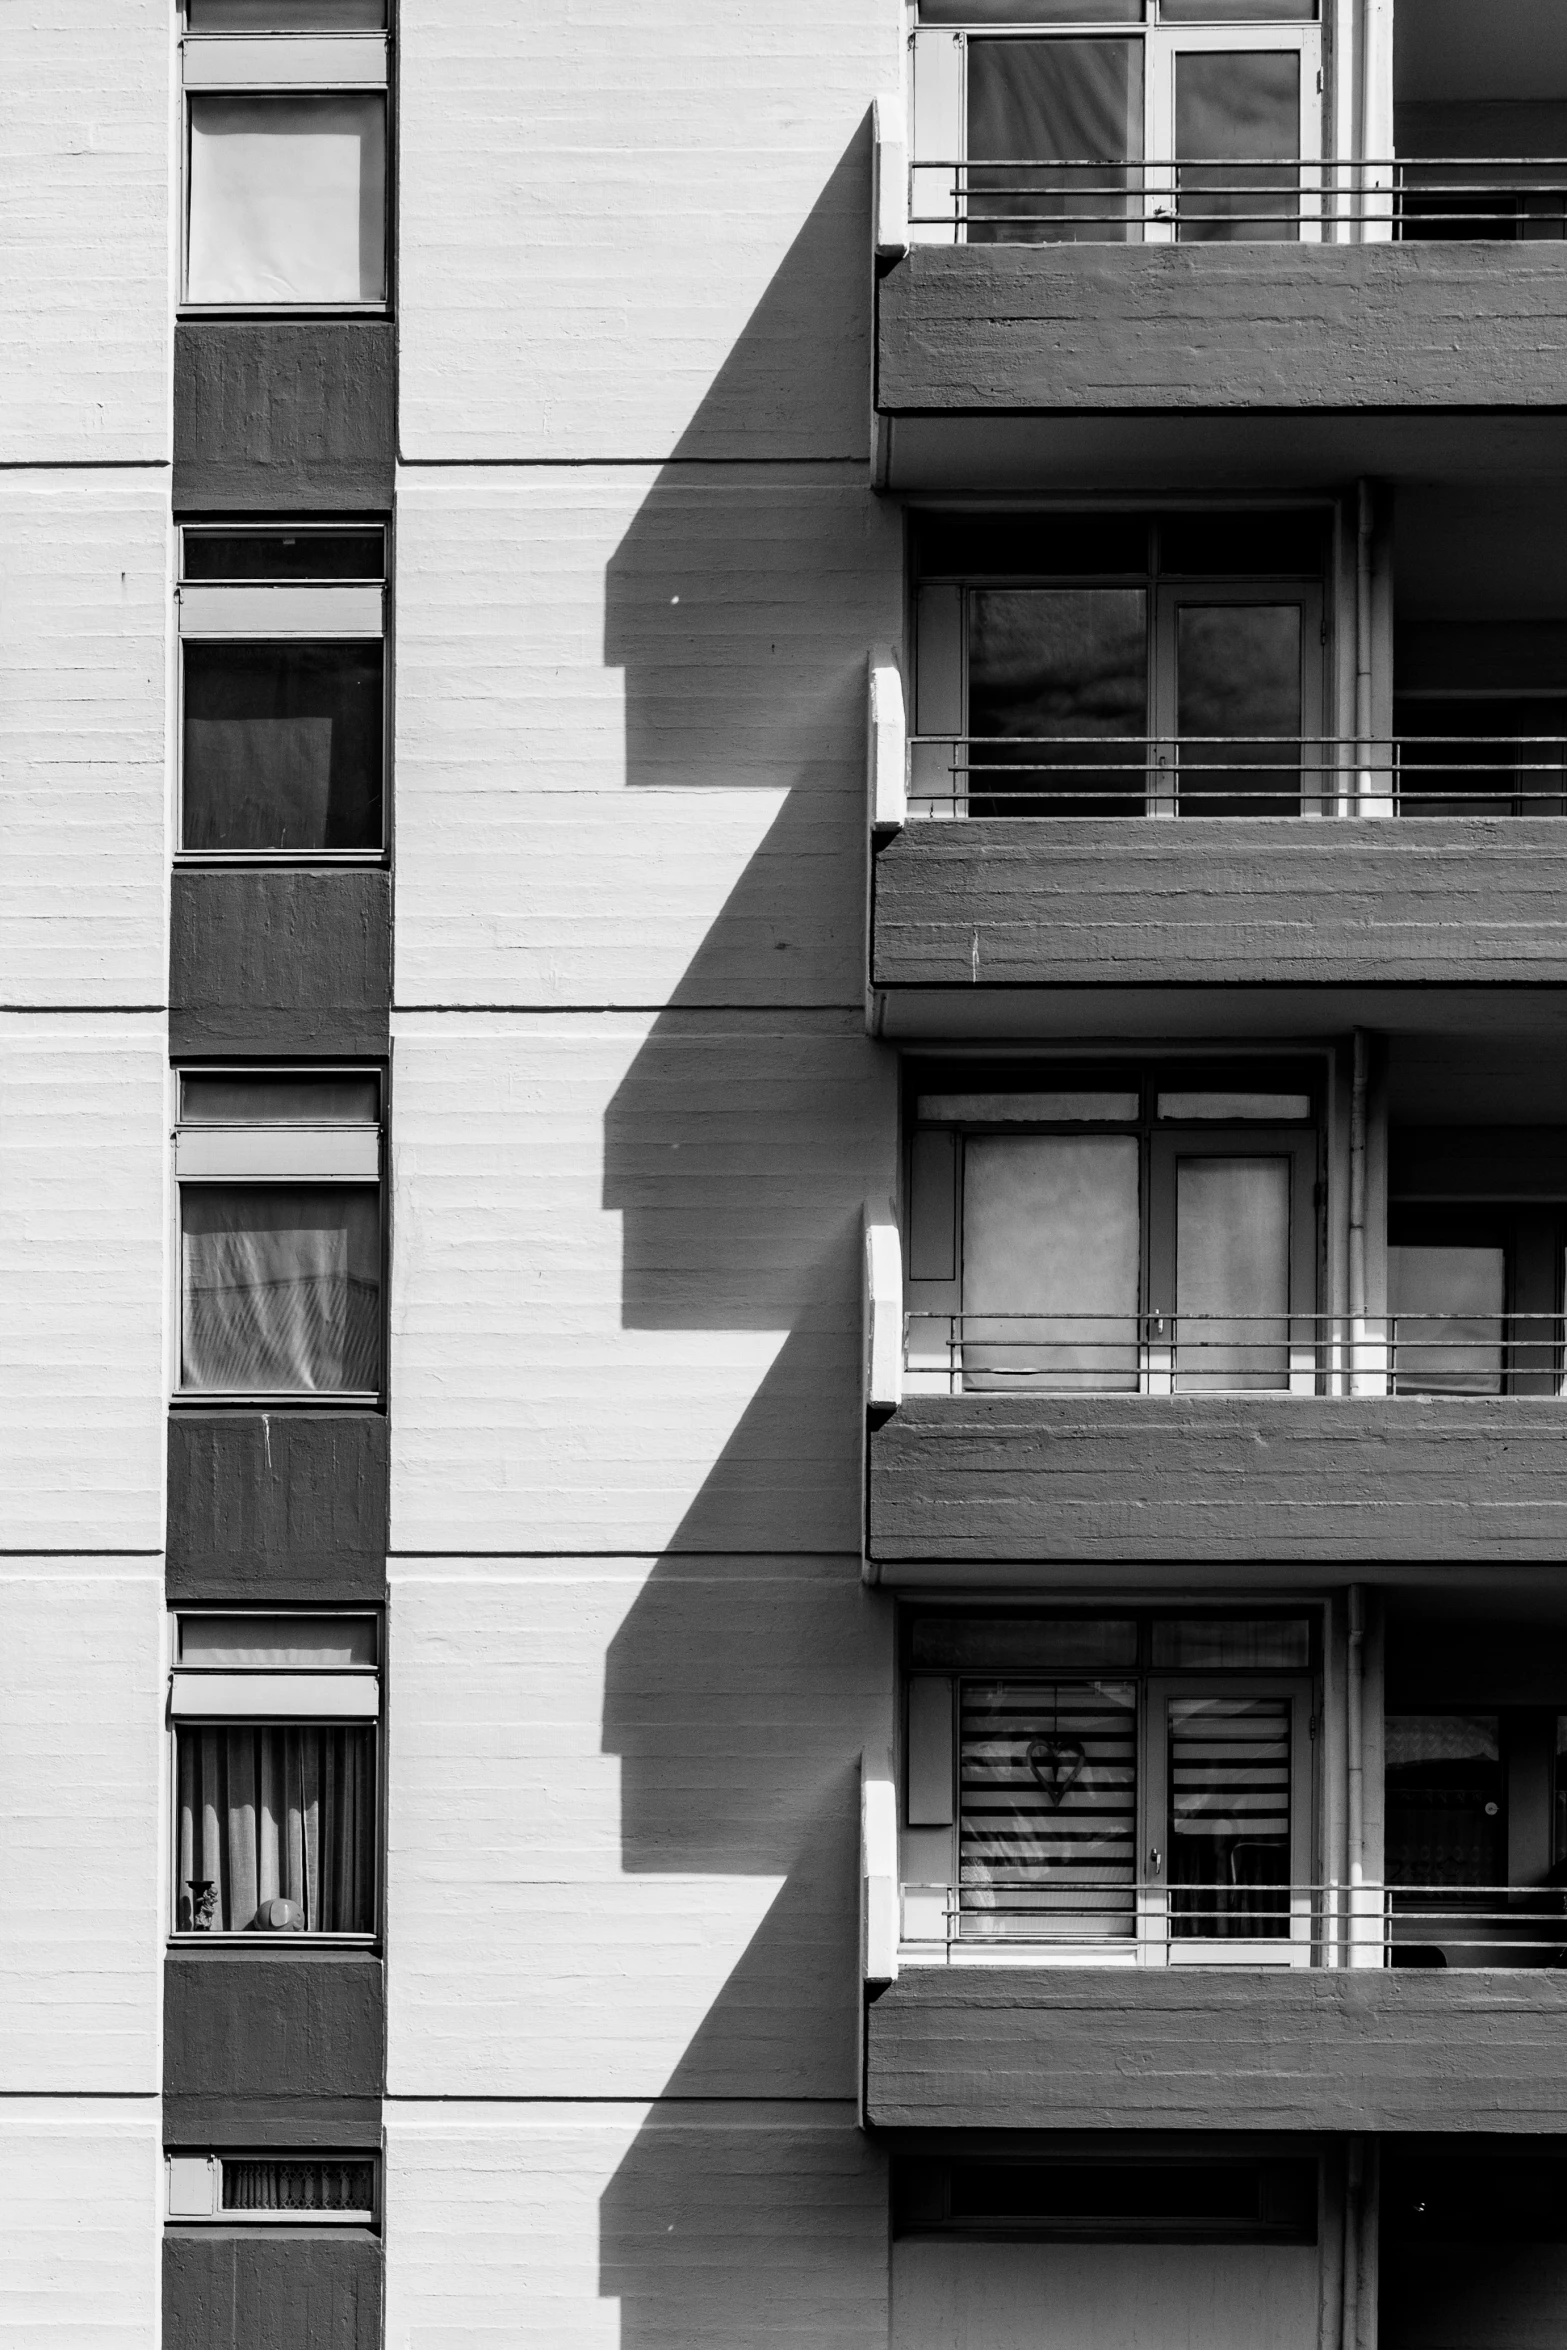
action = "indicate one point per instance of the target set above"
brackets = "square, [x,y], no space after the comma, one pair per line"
[784,1175]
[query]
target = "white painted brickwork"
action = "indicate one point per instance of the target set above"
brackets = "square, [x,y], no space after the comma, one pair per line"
[625,1290]
[657,1768]
[630,733]
[84,630]
[643,229]
[83,1160]
[633,2228]
[81,1943]
[80,2183]
[87,136]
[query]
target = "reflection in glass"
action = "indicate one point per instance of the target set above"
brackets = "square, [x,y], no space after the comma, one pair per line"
[1229,1816]
[282,1289]
[1238,677]
[1447,1307]
[1069,668]
[1237,145]
[282,746]
[1237,1644]
[1035,110]
[1232,1251]
[1445,1823]
[287,199]
[1050,1262]
[1048,1782]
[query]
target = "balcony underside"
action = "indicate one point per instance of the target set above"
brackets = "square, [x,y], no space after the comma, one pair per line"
[1042,1479]
[1081,902]
[1219,2049]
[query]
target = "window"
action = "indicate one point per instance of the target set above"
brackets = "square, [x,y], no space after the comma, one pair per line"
[1119,665]
[285,155]
[280,1234]
[1481,754]
[1475,1298]
[259,2190]
[1074,1232]
[283,691]
[1475,1836]
[1116,121]
[1157,1808]
[275,1771]
[1105,2199]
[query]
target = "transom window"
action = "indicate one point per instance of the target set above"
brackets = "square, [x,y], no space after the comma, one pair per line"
[1073,1230]
[1111,121]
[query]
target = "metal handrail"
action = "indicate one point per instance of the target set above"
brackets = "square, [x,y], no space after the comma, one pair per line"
[1319,1923]
[1321,774]
[1286,1352]
[1404,198]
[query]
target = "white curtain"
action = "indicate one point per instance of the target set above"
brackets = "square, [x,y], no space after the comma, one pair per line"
[282,1289]
[288,199]
[276,1813]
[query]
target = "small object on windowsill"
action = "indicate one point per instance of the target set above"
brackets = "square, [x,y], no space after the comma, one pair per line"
[278,1917]
[203,1905]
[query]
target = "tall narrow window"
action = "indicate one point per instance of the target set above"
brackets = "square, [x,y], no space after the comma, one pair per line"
[279,1180]
[1048,1781]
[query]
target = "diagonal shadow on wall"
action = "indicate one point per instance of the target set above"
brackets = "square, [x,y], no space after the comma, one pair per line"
[738,1150]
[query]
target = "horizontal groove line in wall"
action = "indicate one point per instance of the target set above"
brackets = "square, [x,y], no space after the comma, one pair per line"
[587,464]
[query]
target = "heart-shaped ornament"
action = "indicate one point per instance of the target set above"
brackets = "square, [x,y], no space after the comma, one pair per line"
[1057,1764]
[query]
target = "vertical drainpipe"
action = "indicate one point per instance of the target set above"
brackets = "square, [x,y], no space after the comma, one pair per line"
[1359,1097]
[1355,1768]
[1354,2183]
[1365,523]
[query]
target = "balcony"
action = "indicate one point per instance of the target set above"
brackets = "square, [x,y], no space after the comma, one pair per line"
[1072,861]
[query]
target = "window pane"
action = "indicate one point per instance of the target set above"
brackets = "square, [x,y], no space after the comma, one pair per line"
[1050,1262]
[1031,11]
[1232,1274]
[1067,667]
[282,1289]
[1030,1109]
[230,1099]
[1240,546]
[285,554]
[282,746]
[1018,1643]
[1037,107]
[1238,708]
[1229,1816]
[1237,144]
[1195,1106]
[1032,546]
[288,199]
[276,1830]
[1460,755]
[321,1641]
[1444,1800]
[1237,1644]
[1239,11]
[1048,1779]
[285,16]
[1447,1306]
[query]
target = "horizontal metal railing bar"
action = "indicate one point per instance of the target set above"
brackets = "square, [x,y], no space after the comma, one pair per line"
[1319,191]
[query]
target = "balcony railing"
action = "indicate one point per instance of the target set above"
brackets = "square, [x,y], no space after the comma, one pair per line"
[1091,200]
[1145,1923]
[1154,1354]
[952,776]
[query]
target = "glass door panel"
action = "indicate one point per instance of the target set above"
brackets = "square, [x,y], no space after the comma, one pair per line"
[1447,1307]
[1239,702]
[1232,1275]
[1051,1256]
[1055,136]
[1229,1813]
[1237,145]
[1048,1810]
[1063,673]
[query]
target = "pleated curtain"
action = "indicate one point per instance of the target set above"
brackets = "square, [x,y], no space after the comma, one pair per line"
[276,1811]
[282,1289]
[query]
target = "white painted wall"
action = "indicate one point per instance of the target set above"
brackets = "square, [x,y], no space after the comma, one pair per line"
[83,1160]
[85,130]
[642,229]
[630,733]
[79,2234]
[622,2227]
[625,1279]
[961,2296]
[84,631]
[654,1772]
[81,1858]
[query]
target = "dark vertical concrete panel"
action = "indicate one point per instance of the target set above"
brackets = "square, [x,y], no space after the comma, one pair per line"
[284,415]
[257,2045]
[284,2289]
[273,1505]
[282,961]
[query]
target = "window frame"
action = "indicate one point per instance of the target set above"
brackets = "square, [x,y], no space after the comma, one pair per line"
[178,1718]
[214,2158]
[212,593]
[267,64]
[183,1398]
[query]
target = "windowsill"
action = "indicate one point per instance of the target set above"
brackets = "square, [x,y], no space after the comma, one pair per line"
[334,859]
[364,2221]
[290,1943]
[290,1399]
[285,310]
